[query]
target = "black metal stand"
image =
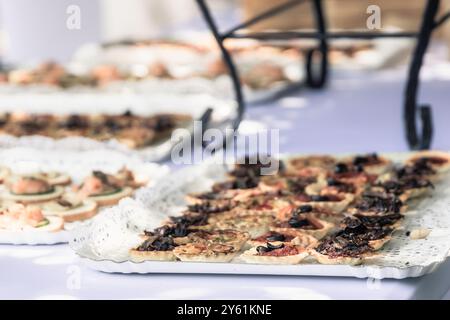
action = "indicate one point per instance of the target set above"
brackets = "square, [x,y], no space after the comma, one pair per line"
[429,24]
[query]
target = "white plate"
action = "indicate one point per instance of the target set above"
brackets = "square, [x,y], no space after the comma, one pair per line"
[34,237]
[311,269]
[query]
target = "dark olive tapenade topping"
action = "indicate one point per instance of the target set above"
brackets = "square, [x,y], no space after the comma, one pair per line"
[302,221]
[406,183]
[191,220]
[355,228]
[269,247]
[298,185]
[247,182]
[379,203]
[434,160]
[326,198]
[209,207]
[276,237]
[158,244]
[64,203]
[338,246]
[294,222]
[302,209]
[303,197]
[341,168]
[377,221]
[75,122]
[209,196]
[365,160]
[105,179]
[420,168]
[341,186]
[252,166]
[176,231]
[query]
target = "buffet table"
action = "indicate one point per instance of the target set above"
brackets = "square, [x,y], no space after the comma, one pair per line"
[357,113]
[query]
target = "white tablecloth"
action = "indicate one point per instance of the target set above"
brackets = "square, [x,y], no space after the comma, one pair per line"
[48,272]
[354,114]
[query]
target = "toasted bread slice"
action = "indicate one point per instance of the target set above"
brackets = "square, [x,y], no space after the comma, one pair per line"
[34,198]
[113,198]
[86,210]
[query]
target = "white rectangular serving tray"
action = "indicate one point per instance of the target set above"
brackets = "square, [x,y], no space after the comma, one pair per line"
[310,269]
[34,237]
[104,244]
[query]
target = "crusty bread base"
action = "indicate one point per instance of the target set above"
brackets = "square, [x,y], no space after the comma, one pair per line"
[315,188]
[192,199]
[112,199]
[378,244]
[34,198]
[181,240]
[206,227]
[86,211]
[324,259]
[413,193]
[217,257]
[140,256]
[304,240]
[250,256]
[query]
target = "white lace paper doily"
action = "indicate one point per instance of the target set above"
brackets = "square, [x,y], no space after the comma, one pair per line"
[105,242]
[77,165]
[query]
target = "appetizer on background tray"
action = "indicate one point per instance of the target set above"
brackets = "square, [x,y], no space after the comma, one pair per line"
[132,130]
[44,201]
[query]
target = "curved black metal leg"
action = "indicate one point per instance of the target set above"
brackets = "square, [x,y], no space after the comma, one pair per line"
[229,62]
[423,141]
[318,80]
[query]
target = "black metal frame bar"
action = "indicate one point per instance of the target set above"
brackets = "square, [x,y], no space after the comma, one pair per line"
[429,24]
[410,107]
